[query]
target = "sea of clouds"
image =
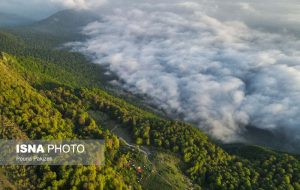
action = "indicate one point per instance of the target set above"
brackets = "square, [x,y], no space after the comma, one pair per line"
[222,65]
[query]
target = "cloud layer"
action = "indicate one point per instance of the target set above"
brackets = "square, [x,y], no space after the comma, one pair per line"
[219,72]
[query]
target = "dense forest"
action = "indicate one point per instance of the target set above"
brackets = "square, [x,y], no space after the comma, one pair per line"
[50,93]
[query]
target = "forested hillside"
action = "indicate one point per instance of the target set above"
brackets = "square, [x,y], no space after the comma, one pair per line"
[48,93]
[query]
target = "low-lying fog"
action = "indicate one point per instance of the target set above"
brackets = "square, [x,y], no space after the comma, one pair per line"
[225,66]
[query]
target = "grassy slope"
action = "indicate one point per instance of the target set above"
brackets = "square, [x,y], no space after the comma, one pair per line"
[166,173]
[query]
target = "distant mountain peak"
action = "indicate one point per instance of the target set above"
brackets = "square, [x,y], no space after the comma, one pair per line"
[65,23]
[69,18]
